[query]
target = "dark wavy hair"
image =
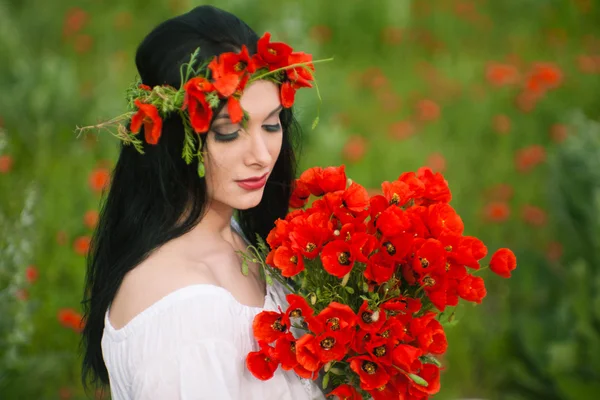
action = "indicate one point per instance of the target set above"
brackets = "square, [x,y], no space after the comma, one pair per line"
[156,197]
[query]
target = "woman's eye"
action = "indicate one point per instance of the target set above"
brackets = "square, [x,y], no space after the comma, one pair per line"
[226,137]
[272,128]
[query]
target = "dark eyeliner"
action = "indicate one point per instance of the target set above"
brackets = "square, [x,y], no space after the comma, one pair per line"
[220,137]
[272,128]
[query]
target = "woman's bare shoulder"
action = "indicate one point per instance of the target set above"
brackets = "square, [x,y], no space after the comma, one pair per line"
[156,277]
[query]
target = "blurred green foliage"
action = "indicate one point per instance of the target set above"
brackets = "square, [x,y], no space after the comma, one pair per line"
[500,96]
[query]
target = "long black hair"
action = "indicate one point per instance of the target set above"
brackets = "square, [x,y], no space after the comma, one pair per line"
[156,197]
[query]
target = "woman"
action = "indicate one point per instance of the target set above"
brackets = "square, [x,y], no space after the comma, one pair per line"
[168,310]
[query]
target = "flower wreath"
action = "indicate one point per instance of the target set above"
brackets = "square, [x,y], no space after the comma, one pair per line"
[222,78]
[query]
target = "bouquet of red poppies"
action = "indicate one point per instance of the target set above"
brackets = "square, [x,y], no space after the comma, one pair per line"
[372,280]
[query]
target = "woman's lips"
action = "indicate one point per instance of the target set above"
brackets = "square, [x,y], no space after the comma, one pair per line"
[253,183]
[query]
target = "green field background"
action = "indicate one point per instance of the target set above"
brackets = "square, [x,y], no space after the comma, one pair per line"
[503,97]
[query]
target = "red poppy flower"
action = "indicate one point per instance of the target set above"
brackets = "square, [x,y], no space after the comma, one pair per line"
[307,353]
[356,198]
[195,102]
[401,305]
[290,262]
[380,268]
[285,351]
[429,256]
[372,375]
[435,284]
[270,326]
[300,195]
[393,221]
[334,317]
[147,115]
[443,218]
[312,179]
[380,349]
[297,306]
[337,258]
[333,345]
[472,288]
[503,261]
[230,63]
[429,334]
[377,204]
[277,235]
[363,244]
[263,363]
[287,94]
[406,357]
[436,187]
[333,179]
[397,192]
[370,320]
[431,374]
[301,75]
[275,55]
[308,237]
[345,392]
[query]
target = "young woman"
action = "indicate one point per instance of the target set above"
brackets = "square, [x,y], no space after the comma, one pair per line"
[168,310]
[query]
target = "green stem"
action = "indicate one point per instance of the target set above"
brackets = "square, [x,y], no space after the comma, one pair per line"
[288,67]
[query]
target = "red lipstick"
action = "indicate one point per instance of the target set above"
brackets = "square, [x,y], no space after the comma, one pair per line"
[253,183]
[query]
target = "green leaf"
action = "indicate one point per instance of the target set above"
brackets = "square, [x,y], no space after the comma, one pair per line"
[315,122]
[244,267]
[431,360]
[201,170]
[325,380]
[418,380]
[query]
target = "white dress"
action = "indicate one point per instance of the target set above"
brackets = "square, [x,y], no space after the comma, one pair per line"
[192,344]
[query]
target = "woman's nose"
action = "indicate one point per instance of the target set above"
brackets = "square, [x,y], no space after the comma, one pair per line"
[258,152]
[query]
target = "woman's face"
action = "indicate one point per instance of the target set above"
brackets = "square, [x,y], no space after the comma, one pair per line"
[239,160]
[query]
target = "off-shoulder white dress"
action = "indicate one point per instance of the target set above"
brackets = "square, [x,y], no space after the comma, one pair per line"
[192,344]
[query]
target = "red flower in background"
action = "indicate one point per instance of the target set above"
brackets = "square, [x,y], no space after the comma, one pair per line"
[496,211]
[82,245]
[542,77]
[503,261]
[502,74]
[534,216]
[6,163]
[90,219]
[31,273]
[99,179]
[75,20]
[402,130]
[427,110]
[355,148]
[529,157]
[70,318]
